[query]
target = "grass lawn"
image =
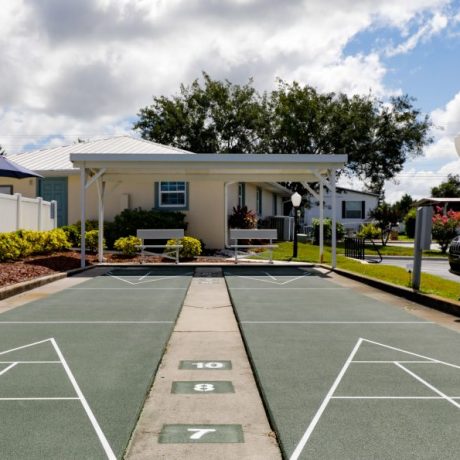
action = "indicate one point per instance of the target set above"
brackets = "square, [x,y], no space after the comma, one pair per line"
[430,284]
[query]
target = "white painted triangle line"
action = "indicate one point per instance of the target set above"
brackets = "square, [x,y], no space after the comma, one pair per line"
[143,281]
[394,362]
[431,387]
[145,276]
[31,362]
[273,280]
[298,450]
[100,434]
[412,354]
[7,368]
[24,346]
[40,399]
[388,397]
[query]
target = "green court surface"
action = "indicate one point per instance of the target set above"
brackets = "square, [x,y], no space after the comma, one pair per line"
[344,375]
[75,367]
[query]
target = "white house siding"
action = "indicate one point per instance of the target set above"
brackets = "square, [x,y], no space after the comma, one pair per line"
[370,203]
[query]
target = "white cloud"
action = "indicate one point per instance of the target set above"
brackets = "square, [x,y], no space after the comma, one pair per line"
[83,67]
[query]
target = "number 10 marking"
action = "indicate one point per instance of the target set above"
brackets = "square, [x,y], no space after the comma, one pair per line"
[211,365]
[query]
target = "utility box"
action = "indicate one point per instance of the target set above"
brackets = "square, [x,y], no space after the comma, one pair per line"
[423,227]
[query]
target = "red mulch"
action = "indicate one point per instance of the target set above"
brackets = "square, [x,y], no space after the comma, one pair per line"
[42,265]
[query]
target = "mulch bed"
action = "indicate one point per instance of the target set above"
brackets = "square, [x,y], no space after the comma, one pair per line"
[42,265]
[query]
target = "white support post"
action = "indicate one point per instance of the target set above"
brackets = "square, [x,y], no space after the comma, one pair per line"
[334,217]
[83,215]
[226,184]
[54,213]
[18,210]
[321,221]
[100,242]
[39,214]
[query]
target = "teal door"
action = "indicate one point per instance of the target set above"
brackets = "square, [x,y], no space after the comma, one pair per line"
[55,188]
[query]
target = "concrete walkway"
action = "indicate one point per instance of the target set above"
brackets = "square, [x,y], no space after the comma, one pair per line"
[215,411]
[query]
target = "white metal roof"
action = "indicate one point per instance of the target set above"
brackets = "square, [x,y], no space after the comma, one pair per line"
[58,158]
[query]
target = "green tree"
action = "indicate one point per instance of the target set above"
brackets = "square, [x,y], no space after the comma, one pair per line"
[449,188]
[213,117]
[386,216]
[403,206]
[222,117]
[445,227]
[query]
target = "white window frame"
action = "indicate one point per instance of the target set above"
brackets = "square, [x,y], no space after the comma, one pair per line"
[354,210]
[166,192]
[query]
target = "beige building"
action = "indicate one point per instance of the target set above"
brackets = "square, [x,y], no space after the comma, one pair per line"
[201,199]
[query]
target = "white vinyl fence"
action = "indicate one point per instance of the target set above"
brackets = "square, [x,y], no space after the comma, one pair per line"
[18,212]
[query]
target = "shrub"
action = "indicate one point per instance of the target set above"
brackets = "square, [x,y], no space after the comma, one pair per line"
[340,230]
[10,246]
[369,231]
[54,240]
[242,218]
[91,240]
[23,243]
[191,247]
[409,221]
[128,221]
[445,227]
[128,245]
[73,234]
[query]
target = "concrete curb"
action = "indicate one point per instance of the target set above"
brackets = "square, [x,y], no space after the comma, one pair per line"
[24,286]
[429,300]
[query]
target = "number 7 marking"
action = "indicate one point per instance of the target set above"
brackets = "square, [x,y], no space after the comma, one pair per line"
[198,433]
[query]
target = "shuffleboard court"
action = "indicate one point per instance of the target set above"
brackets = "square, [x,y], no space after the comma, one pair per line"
[344,375]
[76,366]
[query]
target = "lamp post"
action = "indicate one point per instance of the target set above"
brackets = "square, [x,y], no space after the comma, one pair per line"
[295,200]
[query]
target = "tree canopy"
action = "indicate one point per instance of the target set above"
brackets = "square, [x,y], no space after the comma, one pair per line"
[220,117]
[2,151]
[448,189]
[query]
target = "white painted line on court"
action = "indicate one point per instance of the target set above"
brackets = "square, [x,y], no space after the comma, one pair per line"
[24,346]
[290,288]
[105,444]
[127,289]
[7,368]
[39,399]
[273,278]
[31,362]
[388,397]
[393,362]
[84,322]
[427,384]
[413,354]
[145,276]
[336,322]
[298,450]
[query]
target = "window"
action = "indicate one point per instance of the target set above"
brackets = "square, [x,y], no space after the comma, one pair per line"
[6,189]
[275,204]
[172,195]
[353,209]
[241,194]
[259,201]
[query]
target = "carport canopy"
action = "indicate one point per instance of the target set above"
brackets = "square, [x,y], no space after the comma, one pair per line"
[100,168]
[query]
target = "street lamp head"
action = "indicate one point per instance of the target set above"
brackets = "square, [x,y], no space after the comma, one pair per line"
[296,199]
[457,144]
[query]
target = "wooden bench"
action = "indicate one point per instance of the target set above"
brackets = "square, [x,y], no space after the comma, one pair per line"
[160,234]
[253,234]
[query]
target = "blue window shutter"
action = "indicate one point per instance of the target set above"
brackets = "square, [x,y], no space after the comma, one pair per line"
[363,209]
[343,209]
[156,195]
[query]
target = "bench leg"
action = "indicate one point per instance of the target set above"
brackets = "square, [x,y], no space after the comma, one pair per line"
[236,255]
[177,255]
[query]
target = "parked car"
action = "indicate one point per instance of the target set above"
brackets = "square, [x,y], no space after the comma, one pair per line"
[454,254]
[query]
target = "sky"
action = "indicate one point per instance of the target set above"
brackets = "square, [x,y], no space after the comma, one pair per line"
[83,68]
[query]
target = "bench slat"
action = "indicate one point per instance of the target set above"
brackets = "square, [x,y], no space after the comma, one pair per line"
[160,234]
[261,234]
